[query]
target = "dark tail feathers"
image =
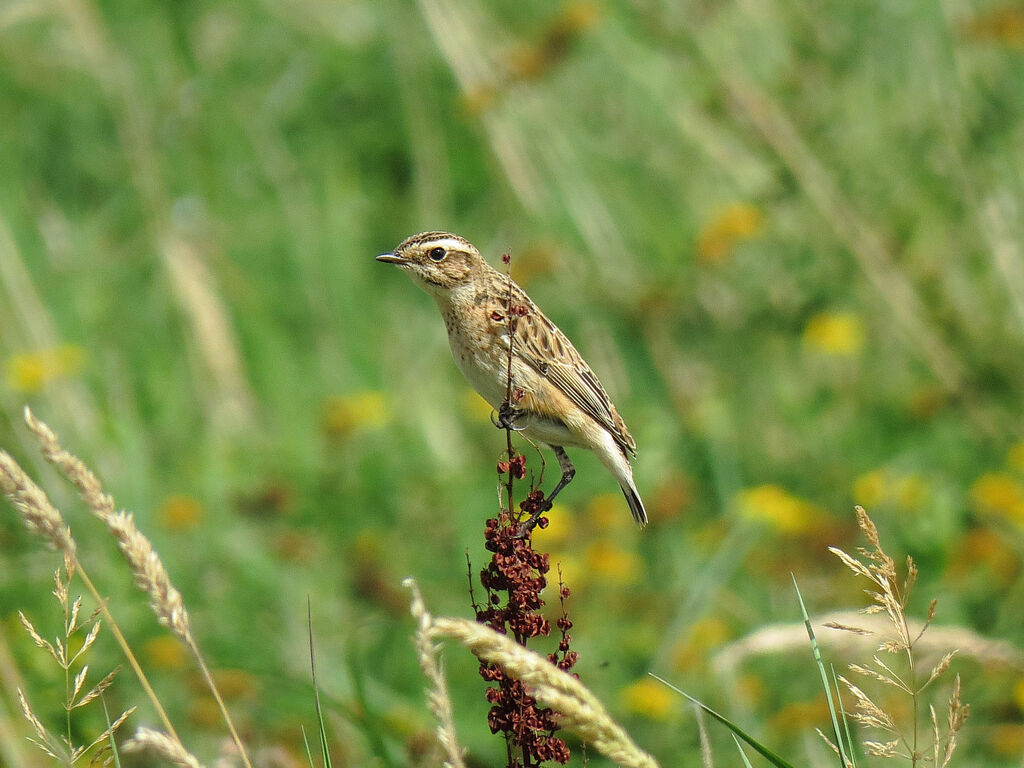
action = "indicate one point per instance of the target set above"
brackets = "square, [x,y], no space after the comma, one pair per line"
[635,505]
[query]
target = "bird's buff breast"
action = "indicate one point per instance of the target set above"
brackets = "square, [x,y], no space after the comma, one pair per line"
[480,350]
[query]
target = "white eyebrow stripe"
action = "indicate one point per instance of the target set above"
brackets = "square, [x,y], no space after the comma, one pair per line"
[448,243]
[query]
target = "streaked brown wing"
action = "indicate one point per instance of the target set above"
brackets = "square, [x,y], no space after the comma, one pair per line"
[547,350]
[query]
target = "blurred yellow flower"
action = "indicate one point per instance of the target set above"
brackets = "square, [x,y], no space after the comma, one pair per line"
[869,488]
[536,259]
[477,100]
[1000,494]
[783,510]
[180,513]
[31,371]
[342,414]
[1018,694]
[559,528]
[533,61]
[203,712]
[751,688]
[235,683]
[985,550]
[909,491]
[798,716]
[649,698]
[608,512]
[1015,457]
[578,15]
[1007,739]
[1000,24]
[835,333]
[730,225]
[164,652]
[612,563]
[705,636]
[574,573]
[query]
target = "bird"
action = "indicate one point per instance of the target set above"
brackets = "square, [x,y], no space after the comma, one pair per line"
[556,398]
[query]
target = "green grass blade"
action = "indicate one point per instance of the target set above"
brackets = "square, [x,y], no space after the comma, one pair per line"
[316,693]
[309,752]
[846,720]
[768,754]
[746,761]
[839,741]
[113,742]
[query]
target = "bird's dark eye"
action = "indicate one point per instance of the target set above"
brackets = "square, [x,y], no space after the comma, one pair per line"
[437,254]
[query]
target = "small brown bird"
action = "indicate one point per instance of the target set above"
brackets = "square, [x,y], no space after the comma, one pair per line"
[558,399]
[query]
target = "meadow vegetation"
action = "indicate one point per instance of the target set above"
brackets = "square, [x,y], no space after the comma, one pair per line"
[787,237]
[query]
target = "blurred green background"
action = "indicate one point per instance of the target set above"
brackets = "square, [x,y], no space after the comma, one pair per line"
[787,236]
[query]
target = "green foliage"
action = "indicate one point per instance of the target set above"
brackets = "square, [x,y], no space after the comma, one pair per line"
[787,236]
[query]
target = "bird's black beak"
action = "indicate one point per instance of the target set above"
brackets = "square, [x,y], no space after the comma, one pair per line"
[391,258]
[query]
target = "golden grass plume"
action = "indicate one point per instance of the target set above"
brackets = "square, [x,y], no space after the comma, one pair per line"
[150,574]
[578,709]
[890,595]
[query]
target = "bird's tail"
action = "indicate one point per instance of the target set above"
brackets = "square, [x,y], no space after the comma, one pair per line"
[635,505]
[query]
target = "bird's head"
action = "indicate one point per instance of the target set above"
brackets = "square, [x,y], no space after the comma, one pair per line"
[438,261]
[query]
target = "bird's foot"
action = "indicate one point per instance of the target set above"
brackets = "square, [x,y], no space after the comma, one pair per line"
[535,504]
[507,416]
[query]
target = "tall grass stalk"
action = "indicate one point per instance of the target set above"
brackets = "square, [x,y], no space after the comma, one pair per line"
[41,517]
[63,748]
[150,574]
[889,596]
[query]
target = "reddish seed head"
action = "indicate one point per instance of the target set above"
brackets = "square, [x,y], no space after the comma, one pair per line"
[518,466]
[514,579]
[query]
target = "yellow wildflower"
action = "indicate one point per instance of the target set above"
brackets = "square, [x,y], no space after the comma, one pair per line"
[180,513]
[649,698]
[1007,740]
[870,488]
[164,652]
[607,512]
[1002,24]
[783,510]
[478,99]
[883,486]
[1018,694]
[705,636]
[732,224]
[751,688]
[798,716]
[344,414]
[613,563]
[560,526]
[31,371]
[1015,456]
[574,572]
[1001,494]
[204,712]
[235,684]
[835,333]
[911,491]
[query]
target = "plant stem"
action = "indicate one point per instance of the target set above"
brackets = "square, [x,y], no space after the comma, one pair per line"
[126,649]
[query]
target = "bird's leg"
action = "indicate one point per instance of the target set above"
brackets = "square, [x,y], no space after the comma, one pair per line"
[568,473]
